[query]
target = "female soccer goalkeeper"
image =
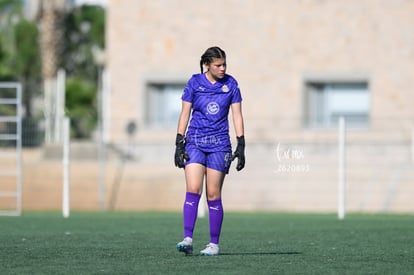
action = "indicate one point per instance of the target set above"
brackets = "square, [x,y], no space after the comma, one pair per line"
[204,151]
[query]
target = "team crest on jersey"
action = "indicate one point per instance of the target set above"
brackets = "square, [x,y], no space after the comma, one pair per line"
[225,88]
[213,108]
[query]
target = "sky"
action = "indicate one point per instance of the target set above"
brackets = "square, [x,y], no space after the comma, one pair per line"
[92,2]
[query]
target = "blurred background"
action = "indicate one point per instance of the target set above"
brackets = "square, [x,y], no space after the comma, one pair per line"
[117,69]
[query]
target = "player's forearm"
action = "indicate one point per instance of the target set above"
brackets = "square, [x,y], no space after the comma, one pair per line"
[182,124]
[238,125]
[184,118]
[238,119]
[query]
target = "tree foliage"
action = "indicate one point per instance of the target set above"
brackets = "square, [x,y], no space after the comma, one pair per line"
[20,59]
[10,13]
[27,62]
[84,34]
[81,106]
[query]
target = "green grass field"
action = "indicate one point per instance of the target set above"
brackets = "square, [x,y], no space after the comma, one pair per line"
[251,243]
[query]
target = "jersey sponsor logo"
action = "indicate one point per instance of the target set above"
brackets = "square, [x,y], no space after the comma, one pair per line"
[213,108]
[208,140]
[201,88]
[225,88]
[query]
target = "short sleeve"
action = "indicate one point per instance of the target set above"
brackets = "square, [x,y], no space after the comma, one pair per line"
[236,94]
[188,93]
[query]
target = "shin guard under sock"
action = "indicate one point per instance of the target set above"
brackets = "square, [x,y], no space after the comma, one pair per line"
[190,213]
[216,213]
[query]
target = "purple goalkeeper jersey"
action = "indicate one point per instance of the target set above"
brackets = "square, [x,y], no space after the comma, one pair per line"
[209,125]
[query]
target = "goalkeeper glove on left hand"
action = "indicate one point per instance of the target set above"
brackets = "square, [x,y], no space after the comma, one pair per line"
[239,153]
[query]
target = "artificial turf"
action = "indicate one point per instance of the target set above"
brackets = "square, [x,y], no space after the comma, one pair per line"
[251,243]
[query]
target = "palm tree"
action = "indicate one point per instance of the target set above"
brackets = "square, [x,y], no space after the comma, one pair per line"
[50,17]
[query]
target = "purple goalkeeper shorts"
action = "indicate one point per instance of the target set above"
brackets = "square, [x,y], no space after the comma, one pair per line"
[220,161]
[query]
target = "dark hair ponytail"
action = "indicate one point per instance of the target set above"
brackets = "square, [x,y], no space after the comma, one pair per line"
[209,54]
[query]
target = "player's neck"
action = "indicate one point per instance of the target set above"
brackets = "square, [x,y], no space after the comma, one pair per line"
[210,78]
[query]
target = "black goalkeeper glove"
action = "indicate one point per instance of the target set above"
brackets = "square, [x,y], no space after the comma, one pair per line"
[180,153]
[239,153]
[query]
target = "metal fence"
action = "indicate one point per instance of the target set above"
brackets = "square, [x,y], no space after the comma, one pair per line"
[10,148]
[288,168]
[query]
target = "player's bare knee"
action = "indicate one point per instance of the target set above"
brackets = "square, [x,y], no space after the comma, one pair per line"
[213,196]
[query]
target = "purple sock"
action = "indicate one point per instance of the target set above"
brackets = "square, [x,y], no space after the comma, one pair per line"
[215,210]
[190,213]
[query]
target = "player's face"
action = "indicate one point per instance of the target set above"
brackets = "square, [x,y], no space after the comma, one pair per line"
[217,68]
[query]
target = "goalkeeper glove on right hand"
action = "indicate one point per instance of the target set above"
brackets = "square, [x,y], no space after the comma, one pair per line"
[180,153]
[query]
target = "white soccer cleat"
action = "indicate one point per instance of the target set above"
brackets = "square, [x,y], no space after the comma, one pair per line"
[212,249]
[186,246]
